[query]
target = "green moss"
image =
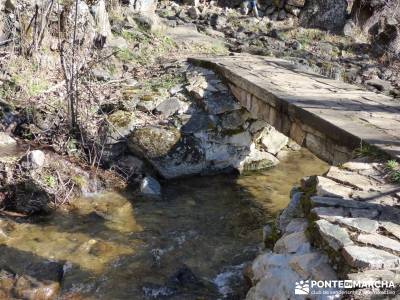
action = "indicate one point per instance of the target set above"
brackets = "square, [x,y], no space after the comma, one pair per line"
[78,180]
[148,46]
[147,97]
[50,181]
[125,55]
[164,82]
[393,169]
[271,240]
[120,118]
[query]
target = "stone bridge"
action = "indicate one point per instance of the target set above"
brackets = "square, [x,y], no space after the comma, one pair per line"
[329,117]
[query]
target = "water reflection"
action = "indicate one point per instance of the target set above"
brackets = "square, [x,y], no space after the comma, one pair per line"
[190,245]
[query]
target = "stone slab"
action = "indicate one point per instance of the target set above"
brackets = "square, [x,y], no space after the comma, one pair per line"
[360,224]
[350,178]
[392,228]
[379,241]
[338,202]
[329,188]
[335,236]
[369,258]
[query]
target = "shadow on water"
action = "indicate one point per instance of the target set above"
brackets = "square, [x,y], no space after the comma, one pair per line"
[192,244]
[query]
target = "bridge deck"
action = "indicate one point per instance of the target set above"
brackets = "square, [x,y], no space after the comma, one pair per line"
[344,112]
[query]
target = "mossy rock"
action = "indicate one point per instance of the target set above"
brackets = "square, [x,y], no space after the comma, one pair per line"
[276,3]
[153,142]
[121,118]
[147,97]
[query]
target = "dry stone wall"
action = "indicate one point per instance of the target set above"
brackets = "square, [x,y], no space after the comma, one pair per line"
[343,225]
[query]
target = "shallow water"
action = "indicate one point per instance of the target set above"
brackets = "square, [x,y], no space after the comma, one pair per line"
[193,244]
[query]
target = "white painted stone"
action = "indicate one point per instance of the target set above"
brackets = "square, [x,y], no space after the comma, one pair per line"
[242,139]
[276,284]
[323,271]
[265,261]
[274,276]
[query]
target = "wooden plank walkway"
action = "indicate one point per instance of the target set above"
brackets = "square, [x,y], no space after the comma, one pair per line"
[337,109]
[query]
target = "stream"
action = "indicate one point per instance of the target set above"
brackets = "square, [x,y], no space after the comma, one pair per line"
[192,244]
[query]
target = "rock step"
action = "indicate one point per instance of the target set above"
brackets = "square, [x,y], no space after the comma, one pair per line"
[334,235]
[369,258]
[379,241]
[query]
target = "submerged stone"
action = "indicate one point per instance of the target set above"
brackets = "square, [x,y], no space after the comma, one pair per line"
[150,187]
[273,140]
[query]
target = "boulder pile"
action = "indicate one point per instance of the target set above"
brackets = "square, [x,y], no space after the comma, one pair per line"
[196,127]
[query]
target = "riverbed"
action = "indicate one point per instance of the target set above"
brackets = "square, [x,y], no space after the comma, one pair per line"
[192,244]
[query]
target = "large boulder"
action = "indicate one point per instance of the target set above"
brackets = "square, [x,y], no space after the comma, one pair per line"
[114,132]
[153,142]
[143,6]
[86,25]
[170,153]
[380,19]
[103,27]
[324,14]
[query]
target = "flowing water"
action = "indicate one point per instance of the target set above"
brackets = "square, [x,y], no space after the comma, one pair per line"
[192,244]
